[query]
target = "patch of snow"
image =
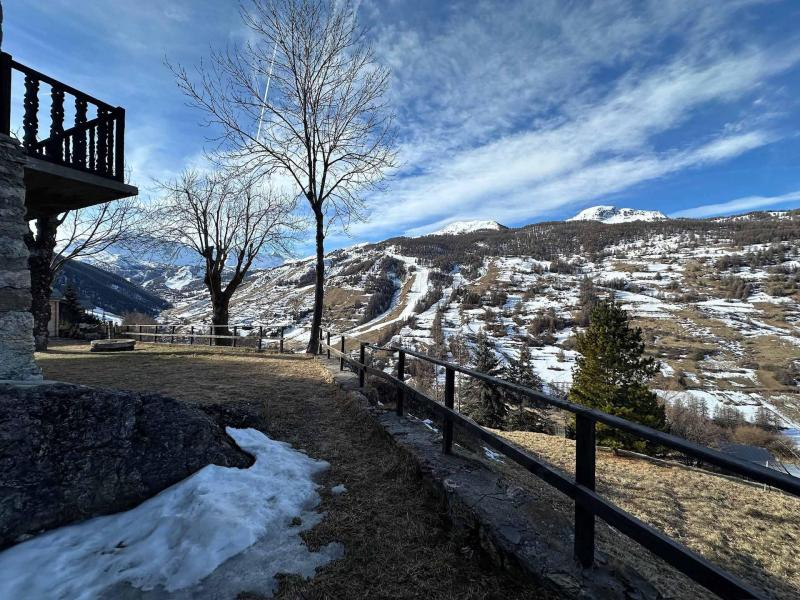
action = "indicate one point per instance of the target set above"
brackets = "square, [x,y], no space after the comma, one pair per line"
[181,279]
[492,455]
[217,533]
[338,489]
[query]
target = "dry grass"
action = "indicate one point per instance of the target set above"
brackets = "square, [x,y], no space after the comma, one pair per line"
[750,531]
[396,543]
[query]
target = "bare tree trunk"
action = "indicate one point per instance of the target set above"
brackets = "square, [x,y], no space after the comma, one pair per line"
[41,248]
[220,319]
[319,287]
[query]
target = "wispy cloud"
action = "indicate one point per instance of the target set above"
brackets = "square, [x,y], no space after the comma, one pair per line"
[520,113]
[739,205]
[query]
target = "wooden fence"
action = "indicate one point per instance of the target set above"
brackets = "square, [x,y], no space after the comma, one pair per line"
[204,335]
[588,504]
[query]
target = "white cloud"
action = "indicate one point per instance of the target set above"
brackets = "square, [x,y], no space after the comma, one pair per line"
[516,113]
[737,205]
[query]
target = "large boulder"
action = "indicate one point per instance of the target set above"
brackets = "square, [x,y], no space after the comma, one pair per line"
[70,452]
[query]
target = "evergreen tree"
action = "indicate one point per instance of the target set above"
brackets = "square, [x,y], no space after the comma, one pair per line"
[587,300]
[527,414]
[612,372]
[484,402]
[71,309]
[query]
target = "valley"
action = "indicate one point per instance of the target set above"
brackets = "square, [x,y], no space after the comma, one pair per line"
[718,300]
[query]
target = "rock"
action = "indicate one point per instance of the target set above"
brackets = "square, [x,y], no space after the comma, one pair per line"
[112,345]
[71,452]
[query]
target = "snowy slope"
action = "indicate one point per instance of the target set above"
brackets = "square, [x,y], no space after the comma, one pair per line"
[611,214]
[459,227]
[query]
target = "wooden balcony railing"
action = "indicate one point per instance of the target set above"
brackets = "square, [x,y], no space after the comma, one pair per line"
[94,144]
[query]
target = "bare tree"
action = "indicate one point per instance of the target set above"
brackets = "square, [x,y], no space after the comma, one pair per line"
[228,220]
[326,126]
[82,233]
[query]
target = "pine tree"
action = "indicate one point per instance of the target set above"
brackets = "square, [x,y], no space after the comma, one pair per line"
[71,309]
[611,375]
[527,414]
[484,402]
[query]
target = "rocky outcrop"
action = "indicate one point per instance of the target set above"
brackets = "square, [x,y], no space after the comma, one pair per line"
[71,452]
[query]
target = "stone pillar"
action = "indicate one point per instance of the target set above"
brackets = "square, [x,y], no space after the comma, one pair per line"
[16,321]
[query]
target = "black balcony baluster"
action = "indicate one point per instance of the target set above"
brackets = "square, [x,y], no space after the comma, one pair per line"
[92,163]
[79,153]
[110,145]
[30,121]
[102,141]
[56,144]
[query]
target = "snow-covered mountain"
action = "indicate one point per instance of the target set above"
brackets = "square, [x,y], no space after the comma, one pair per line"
[611,214]
[459,227]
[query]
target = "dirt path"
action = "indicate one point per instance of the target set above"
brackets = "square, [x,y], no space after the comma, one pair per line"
[396,543]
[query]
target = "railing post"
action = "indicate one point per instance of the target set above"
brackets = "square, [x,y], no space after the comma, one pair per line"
[119,158]
[5,93]
[280,348]
[584,476]
[401,375]
[362,360]
[235,328]
[328,339]
[449,397]
[260,338]
[141,339]
[211,335]
[172,337]
[341,358]
[191,335]
[319,342]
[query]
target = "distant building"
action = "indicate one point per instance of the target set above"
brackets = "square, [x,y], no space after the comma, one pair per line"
[54,325]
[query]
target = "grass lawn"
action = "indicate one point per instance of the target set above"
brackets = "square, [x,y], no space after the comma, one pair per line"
[396,545]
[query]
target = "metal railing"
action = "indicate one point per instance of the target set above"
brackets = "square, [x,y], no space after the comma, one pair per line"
[94,145]
[588,504]
[192,335]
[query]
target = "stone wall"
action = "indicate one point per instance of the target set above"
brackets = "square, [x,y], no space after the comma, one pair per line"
[16,321]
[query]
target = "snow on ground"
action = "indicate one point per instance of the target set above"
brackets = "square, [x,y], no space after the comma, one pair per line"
[104,315]
[217,533]
[640,305]
[419,287]
[181,279]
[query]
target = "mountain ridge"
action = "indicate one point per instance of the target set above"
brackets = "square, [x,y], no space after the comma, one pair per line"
[610,215]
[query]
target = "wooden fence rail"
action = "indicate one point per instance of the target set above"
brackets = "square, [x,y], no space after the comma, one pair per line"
[172,332]
[588,504]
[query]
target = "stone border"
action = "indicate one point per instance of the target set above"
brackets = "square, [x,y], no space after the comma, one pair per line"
[508,524]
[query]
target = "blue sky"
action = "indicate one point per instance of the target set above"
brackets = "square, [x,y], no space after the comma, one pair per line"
[517,111]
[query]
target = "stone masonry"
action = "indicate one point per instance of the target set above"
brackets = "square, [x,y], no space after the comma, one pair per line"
[16,321]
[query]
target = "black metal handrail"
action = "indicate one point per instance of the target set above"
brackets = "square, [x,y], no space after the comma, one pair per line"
[94,145]
[588,504]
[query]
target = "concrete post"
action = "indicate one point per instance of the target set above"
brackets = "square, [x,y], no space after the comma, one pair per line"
[16,321]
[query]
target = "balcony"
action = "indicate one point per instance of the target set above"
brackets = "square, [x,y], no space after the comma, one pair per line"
[70,168]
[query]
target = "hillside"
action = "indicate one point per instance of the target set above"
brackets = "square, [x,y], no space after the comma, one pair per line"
[718,300]
[111,293]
